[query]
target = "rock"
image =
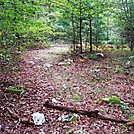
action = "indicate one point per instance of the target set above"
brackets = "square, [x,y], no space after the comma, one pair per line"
[30,62]
[54,100]
[131,57]
[100,54]
[38,118]
[48,65]
[68,118]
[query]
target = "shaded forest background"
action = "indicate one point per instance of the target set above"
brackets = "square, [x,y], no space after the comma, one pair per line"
[38,23]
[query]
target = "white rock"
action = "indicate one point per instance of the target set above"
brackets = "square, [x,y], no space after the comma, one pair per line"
[54,100]
[37,58]
[41,131]
[128,63]
[38,118]
[100,54]
[30,62]
[48,65]
[131,57]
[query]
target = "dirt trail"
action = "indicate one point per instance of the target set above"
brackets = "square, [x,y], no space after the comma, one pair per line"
[49,55]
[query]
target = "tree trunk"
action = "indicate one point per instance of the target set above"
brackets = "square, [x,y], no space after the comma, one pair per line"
[80,27]
[74,37]
[90,24]
[131,46]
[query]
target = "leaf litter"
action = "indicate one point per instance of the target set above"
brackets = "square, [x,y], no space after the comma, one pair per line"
[79,85]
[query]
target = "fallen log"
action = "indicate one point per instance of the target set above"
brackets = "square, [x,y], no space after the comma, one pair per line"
[130,123]
[94,114]
[71,109]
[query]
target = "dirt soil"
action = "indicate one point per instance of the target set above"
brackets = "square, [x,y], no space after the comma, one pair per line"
[67,80]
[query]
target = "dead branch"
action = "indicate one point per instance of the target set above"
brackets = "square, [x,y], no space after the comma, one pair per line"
[71,109]
[94,114]
[130,123]
[111,118]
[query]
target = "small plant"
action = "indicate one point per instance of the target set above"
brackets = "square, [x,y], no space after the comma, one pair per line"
[113,100]
[76,98]
[16,89]
[93,56]
[118,69]
[5,57]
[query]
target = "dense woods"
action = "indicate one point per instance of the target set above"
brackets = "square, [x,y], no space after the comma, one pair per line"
[34,23]
[62,61]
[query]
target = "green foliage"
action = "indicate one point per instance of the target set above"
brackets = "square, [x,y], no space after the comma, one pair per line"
[93,56]
[124,17]
[118,69]
[24,24]
[113,100]
[4,57]
[19,23]
[16,89]
[76,98]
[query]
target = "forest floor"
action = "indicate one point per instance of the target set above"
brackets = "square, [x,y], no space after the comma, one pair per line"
[71,81]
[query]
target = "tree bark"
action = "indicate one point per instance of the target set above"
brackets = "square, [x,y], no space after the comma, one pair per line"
[74,36]
[90,24]
[80,27]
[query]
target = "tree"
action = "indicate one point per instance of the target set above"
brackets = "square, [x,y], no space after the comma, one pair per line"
[20,23]
[126,21]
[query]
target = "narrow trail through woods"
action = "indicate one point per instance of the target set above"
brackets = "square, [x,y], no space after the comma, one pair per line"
[48,55]
[78,84]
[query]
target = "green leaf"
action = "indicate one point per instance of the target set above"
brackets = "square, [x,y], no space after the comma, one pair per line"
[93,56]
[16,89]
[76,98]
